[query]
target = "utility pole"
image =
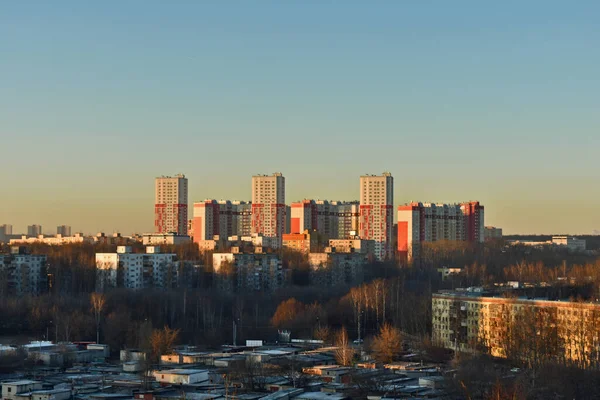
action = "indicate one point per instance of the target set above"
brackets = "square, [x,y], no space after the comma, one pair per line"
[359,317]
[234,332]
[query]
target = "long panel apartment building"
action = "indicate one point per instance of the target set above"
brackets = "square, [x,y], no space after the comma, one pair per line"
[474,319]
[420,223]
[221,218]
[330,219]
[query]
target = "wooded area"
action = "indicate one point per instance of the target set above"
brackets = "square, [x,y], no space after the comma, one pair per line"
[397,296]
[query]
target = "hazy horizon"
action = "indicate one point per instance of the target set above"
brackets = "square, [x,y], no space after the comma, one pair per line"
[495,102]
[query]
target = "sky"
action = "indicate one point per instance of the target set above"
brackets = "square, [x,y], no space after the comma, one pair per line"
[459,100]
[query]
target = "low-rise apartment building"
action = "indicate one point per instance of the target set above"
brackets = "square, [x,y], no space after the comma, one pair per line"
[125,269]
[333,269]
[492,233]
[355,245]
[22,273]
[571,243]
[157,239]
[52,240]
[256,271]
[303,242]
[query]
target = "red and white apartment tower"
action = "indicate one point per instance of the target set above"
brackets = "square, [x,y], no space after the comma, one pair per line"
[224,218]
[304,216]
[427,222]
[212,218]
[315,215]
[377,212]
[268,205]
[171,204]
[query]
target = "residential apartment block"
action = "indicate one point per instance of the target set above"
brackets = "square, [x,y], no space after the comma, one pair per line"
[348,217]
[242,218]
[570,243]
[115,239]
[492,233]
[171,204]
[6,230]
[125,269]
[22,273]
[212,218]
[377,213]
[52,240]
[428,222]
[305,242]
[314,215]
[63,230]
[6,233]
[157,239]
[330,268]
[268,205]
[221,218]
[34,230]
[331,219]
[256,271]
[355,245]
[220,243]
[475,319]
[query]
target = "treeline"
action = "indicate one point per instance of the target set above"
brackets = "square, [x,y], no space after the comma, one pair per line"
[363,309]
[496,262]
[205,315]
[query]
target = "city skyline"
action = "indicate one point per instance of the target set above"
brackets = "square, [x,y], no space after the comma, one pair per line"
[48,228]
[16,229]
[488,102]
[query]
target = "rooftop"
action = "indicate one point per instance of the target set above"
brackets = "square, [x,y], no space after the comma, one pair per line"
[20,383]
[180,371]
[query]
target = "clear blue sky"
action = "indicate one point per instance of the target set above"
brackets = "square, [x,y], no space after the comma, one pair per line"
[495,101]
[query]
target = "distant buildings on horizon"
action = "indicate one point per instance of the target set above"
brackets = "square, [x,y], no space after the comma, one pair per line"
[268,215]
[419,223]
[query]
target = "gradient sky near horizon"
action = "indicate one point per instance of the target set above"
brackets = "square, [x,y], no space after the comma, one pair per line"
[460,100]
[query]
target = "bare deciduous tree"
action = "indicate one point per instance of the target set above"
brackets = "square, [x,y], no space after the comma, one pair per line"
[322,333]
[344,354]
[387,344]
[98,302]
[162,341]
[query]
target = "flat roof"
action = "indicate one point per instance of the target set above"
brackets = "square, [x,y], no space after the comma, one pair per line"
[321,395]
[21,382]
[39,344]
[180,371]
[52,391]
